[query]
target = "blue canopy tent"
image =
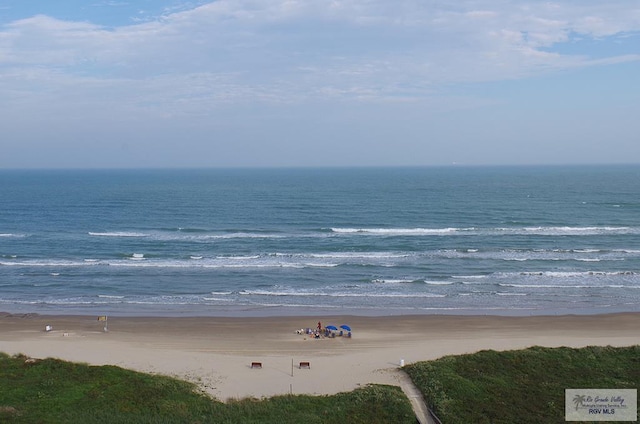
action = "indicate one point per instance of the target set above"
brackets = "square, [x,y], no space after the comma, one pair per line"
[345,327]
[331,327]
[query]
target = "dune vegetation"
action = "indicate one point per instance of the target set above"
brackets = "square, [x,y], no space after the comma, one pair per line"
[520,386]
[55,391]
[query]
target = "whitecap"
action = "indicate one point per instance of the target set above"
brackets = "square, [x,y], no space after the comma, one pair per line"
[118,234]
[391,281]
[399,231]
[439,283]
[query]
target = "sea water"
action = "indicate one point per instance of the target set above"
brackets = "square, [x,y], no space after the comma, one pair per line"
[494,240]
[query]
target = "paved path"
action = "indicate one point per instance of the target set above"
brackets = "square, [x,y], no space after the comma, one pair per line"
[417,400]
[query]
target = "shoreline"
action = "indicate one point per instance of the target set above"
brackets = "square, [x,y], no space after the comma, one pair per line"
[216,352]
[270,311]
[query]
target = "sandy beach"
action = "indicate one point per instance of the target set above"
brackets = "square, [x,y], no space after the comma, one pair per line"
[216,353]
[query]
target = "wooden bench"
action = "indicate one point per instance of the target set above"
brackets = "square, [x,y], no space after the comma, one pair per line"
[305,365]
[256,365]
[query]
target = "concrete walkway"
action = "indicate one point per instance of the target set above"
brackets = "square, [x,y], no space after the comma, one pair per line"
[415,397]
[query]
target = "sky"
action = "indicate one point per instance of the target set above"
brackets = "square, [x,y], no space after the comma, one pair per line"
[282,83]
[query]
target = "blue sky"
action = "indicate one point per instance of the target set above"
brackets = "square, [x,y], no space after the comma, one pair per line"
[169,83]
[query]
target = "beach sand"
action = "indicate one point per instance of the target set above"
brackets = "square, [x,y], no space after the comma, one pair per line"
[216,353]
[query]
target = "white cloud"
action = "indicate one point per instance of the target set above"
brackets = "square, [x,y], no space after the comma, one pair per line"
[231,51]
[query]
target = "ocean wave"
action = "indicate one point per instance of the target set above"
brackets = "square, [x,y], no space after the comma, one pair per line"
[212,264]
[550,275]
[564,274]
[496,231]
[206,235]
[567,230]
[337,295]
[411,281]
[239,235]
[11,235]
[633,251]
[56,302]
[564,286]
[358,255]
[46,263]
[400,231]
[140,261]
[320,265]
[188,230]
[439,283]
[555,259]
[192,235]
[392,281]
[218,299]
[118,234]
[524,255]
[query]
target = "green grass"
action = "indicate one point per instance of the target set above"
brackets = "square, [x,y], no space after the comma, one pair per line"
[53,391]
[523,386]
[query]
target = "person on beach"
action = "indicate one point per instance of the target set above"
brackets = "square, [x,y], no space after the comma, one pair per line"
[319,326]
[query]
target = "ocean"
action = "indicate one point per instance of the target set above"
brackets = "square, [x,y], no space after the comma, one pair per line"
[362,241]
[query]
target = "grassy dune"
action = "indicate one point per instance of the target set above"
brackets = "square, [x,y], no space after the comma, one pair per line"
[522,386]
[54,391]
